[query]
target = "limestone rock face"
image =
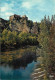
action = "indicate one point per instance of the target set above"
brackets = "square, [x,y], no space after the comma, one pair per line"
[19,23]
[14,17]
[34,28]
[3,24]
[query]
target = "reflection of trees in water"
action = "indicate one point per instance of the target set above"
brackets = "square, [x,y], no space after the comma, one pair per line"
[23,61]
[17,60]
[15,54]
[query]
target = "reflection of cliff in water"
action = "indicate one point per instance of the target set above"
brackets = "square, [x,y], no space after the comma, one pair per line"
[24,60]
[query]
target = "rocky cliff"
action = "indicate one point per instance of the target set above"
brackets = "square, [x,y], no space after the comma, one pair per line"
[3,24]
[19,24]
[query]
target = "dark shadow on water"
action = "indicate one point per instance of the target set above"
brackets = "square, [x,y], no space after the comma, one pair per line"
[19,58]
[23,61]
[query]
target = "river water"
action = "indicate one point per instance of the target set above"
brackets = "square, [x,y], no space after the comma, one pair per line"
[8,72]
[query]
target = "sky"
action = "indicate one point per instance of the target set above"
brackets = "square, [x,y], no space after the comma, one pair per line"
[35,10]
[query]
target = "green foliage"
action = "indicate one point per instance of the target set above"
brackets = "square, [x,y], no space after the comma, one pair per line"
[14,38]
[25,38]
[43,41]
[9,37]
[44,35]
[4,36]
[52,48]
[46,40]
[22,37]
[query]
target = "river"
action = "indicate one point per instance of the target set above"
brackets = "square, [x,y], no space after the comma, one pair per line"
[11,68]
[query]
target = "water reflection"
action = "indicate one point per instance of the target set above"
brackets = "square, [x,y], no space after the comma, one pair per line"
[8,73]
[23,61]
[18,64]
[19,58]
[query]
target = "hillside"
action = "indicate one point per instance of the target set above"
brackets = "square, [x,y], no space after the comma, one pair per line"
[19,24]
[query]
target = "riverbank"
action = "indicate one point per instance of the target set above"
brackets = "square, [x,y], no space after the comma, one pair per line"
[40,72]
[15,47]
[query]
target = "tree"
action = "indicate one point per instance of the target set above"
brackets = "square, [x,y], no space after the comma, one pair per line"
[9,37]
[22,37]
[43,38]
[4,36]
[52,48]
[44,34]
[46,39]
